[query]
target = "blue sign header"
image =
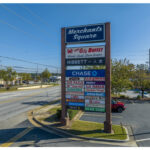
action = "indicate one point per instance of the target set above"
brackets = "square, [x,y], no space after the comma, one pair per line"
[85,73]
[86,33]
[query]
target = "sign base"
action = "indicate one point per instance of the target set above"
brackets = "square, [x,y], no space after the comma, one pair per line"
[107,127]
[65,121]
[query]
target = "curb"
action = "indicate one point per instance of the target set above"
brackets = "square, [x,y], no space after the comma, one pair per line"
[80,137]
[61,131]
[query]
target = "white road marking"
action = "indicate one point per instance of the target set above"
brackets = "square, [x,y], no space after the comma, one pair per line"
[141,140]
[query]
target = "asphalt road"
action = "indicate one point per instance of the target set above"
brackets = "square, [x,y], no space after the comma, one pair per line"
[17,131]
[137,116]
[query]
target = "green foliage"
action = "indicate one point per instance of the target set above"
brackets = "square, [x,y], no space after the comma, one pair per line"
[138,97]
[141,78]
[72,113]
[122,72]
[96,130]
[25,76]
[122,96]
[45,75]
[8,75]
[58,113]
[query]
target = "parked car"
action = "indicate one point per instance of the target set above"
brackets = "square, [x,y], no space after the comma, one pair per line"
[117,106]
[1,85]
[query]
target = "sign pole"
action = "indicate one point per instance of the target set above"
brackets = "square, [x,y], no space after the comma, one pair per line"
[63,68]
[108,122]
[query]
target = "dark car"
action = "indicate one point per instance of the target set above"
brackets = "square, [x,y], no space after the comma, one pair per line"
[117,106]
[1,85]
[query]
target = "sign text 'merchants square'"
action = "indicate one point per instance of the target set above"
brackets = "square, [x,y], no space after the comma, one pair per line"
[88,33]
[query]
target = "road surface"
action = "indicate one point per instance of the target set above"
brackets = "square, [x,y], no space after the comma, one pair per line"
[136,115]
[17,131]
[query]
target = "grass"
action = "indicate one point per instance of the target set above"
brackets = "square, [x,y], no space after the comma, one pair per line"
[53,117]
[86,128]
[54,110]
[5,90]
[95,130]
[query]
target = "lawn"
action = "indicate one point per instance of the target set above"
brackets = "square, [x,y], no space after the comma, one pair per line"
[96,130]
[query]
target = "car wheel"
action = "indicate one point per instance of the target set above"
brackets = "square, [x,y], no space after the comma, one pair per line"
[119,110]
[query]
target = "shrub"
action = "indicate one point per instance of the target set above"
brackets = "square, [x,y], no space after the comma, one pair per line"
[138,97]
[72,113]
[122,96]
[58,113]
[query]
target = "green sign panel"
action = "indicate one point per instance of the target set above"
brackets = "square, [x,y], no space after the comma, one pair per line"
[95,109]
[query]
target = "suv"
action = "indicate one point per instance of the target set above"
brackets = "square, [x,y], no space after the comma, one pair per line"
[117,106]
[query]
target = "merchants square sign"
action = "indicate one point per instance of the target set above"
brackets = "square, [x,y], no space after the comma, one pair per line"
[87,33]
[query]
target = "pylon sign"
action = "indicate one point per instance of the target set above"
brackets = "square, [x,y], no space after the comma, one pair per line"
[86,89]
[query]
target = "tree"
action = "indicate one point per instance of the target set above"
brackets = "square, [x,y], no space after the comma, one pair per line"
[122,72]
[25,76]
[141,79]
[8,75]
[45,75]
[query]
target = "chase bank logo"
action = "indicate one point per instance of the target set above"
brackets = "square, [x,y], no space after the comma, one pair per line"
[94,73]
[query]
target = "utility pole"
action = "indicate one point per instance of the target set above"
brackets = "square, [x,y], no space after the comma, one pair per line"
[149,60]
[37,73]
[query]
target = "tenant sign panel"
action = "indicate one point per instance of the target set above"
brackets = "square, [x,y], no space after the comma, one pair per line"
[85,73]
[85,52]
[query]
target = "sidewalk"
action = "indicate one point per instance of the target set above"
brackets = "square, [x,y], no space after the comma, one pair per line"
[35,117]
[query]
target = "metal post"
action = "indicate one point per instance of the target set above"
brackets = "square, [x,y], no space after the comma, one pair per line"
[108,122]
[63,68]
[149,60]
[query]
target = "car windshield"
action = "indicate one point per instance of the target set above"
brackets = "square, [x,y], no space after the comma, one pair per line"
[114,102]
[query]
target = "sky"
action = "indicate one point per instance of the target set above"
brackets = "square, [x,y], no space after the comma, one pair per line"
[32,32]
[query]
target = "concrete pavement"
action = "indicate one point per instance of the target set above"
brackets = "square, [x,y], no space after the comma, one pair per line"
[135,116]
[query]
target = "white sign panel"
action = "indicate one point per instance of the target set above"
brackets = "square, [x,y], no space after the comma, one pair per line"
[85,52]
[95,101]
[75,96]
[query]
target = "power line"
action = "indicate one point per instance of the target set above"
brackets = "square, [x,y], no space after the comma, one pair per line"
[17,29]
[35,15]
[28,61]
[21,17]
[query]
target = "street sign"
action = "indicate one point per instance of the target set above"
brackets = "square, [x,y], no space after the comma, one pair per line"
[85,61]
[85,73]
[86,33]
[85,52]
